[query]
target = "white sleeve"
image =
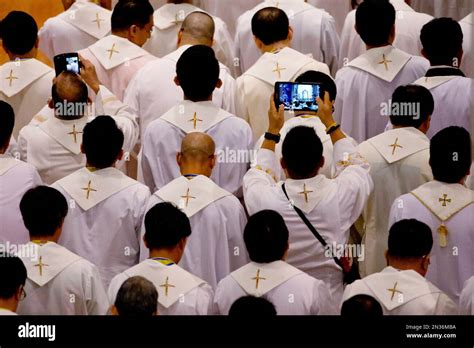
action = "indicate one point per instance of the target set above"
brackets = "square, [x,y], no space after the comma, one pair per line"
[204,304]
[23,144]
[466,303]
[330,43]
[396,211]
[96,299]
[46,40]
[240,105]
[445,306]
[146,164]
[230,93]
[114,287]
[322,301]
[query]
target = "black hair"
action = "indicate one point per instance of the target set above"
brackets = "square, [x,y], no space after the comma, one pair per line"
[374,21]
[326,81]
[7,122]
[411,106]
[131,12]
[361,306]
[251,306]
[409,238]
[13,273]
[19,32]
[137,297]
[43,210]
[270,25]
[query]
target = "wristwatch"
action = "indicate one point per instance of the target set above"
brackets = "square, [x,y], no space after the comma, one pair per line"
[272,137]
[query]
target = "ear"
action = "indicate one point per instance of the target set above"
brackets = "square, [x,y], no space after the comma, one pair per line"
[282,163]
[144,242]
[89,100]
[321,162]
[82,149]
[258,43]
[51,103]
[290,34]
[180,36]
[113,310]
[213,161]
[357,30]
[219,83]
[387,259]
[132,31]
[179,158]
[37,42]
[18,293]
[120,155]
[425,263]
[423,53]
[176,81]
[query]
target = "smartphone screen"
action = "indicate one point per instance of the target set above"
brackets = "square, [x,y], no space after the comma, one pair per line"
[297,96]
[67,62]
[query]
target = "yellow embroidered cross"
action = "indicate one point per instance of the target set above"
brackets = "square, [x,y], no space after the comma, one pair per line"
[167,285]
[444,199]
[98,20]
[305,193]
[88,189]
[395,145]
[11,78]
[74,133]
[40,265]
[112,51]
[257,279]
[394,290]
[384,61]
[278,70]
[187,197]
[195,120]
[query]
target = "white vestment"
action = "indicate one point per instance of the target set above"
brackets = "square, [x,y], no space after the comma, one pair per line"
[167,23]
[104,224]
[306,121]
[61,283]
[16,177]
[53,145]
[467,26]
[452,95]
[152,92]
[398,164]
[163,136]
[314,33]
[408,24]
[338,9]
[455,9]
[466,301]
[256,85]
[179,292]
[402,293]
[331,205]
[448,209]
[366,84]
[116,61]
[25,85]
[216,245]
[277,282]
[76,28]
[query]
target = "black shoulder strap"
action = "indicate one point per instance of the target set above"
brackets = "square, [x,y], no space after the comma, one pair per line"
[310,226]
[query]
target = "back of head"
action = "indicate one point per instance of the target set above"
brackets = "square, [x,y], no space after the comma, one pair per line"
[198,72]
[409,239]
[19,32]
[326,81]
[250,306]
[70,95]
[266,236]
[442,41]
[7,122]
[450,154]
[13,275]
[165,226]
[199,27]
[302,151]
[361,306]
[197,147]
[137,297]
[411,106]
[43,210]
[270,25]
[131,12]
[374,21]
[102,141]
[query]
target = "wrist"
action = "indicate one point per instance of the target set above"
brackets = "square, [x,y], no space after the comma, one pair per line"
[273,130]
[95,87]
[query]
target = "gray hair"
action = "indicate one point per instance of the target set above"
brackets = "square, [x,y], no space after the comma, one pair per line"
[137,297]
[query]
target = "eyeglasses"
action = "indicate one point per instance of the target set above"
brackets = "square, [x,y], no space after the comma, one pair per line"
[22,294]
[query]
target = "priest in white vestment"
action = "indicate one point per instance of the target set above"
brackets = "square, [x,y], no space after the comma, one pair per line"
[408,24]
[278,62]
[25,82]
[152,91]
[117,57]
[466,301]
[179,292]
[309,119]
[59,281]
[198,75]
[367,82]
[12,291]
[398,164]
[451,89]
[314,33]
[109,207]
[401,287]
[467,26]
[52,140]
[16,177]
[338,9]
[81,24]
[269,276]
[217,218]
[331,205]
[447,207]
[167,23]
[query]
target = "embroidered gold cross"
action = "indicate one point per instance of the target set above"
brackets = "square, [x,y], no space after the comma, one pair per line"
[444,199]
[395,145]
[40,265]
[187,197]
[167,285]
[394,290]
[88,189]
[257,279]
[384,61]
[11,78]
[178,18]
[112,51]
[305,193]
[74,133]
[278,69]
[195,120]
[98,20]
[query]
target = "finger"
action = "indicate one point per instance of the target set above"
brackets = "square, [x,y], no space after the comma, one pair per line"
[327,100]
[272,103]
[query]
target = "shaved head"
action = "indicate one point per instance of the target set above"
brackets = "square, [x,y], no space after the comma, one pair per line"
[197,147]
[198,28]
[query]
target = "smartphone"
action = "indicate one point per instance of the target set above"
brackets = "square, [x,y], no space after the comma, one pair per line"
[297,96]
[67,62]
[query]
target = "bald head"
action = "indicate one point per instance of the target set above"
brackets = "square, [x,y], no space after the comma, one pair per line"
[69,88]
[197,147]
[197,29]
